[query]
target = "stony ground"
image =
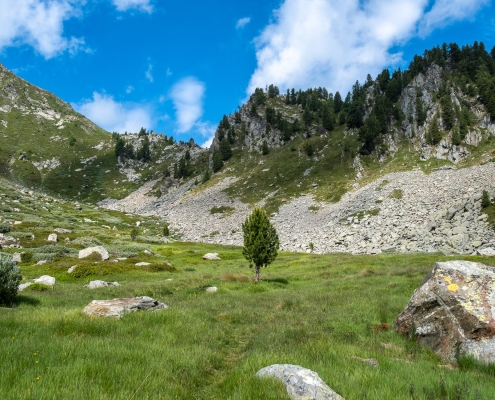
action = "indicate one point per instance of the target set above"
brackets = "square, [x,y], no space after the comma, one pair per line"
[404,212]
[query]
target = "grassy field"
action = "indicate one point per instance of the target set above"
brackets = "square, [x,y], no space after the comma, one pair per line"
[315,311]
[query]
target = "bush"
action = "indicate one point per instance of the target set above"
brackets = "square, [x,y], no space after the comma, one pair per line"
[87,241]
[10,277]
[38,287]
[485,199]
[4,228]
[134,233]
[166,230]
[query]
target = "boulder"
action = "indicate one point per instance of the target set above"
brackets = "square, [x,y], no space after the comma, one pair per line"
[17,257]
[451,312]
[301,383]
[119,307]
[211,256]
[487,251]
[52,237]
[62,231]
[100,284]
[97,249]
[45,280]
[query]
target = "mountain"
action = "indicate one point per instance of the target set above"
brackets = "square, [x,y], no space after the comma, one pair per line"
[399,164]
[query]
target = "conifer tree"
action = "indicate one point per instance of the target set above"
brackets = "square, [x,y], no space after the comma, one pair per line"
[260,240]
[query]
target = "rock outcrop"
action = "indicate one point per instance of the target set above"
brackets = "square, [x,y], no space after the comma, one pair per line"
[120,307]
[301,383]
[452,311]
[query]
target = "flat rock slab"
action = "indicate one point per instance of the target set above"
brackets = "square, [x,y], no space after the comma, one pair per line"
[142,264]
[453,311]
[211,256]
[97,249]
[100,284]
[23,286]
[301,383]
[211,289]
[45,280]
[119,307]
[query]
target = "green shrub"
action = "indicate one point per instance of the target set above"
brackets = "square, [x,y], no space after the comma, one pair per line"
[397,194]
[161,267]
[26,257]
[38,287]
[134,233]
[83,271]
[4,228]
[87,241]
[166,230]
[10,277]
[485,199]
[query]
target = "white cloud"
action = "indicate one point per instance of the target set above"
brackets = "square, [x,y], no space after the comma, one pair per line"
[168,73]
[242,22]
[187,96]
[113,116]
[125,5]
[39,24]
[444,12]
[148,73]
[207,130]
[330,43]
[129,89]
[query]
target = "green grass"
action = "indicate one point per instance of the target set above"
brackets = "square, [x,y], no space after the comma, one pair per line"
[312,310]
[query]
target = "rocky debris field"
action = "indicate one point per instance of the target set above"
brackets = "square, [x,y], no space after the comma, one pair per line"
[403,212]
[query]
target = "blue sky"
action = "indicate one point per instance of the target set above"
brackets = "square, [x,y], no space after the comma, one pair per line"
[177,67]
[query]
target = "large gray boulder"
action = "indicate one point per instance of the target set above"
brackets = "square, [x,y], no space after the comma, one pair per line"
[211,256]
[451,312]
[119,307]
[45,280]
[97,249]
[301,383]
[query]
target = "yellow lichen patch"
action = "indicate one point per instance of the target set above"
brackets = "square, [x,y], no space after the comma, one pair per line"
[447,279]
[453,287]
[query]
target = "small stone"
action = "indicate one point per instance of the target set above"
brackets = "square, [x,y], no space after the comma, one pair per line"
[52,237]
[23,286]
[71,269]
[41,262]
[142,264]
[45,280]
[301,383]
[211,256]
[99,284]
[211,289]
[62,231]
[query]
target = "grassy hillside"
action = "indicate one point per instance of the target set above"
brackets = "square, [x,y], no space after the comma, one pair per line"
[318,311]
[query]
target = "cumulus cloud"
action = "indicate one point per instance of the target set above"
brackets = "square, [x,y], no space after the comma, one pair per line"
[39,24]
[242,23]
[125,5]
[332,43]
[187,96]
[113,116]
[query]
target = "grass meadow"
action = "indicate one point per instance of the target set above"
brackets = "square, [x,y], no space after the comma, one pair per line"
[318,311]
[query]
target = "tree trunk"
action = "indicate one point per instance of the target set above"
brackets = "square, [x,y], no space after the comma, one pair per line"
[257,274]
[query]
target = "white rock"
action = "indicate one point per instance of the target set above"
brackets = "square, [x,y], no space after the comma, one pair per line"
[17,257]
[52,237]
[211,256]
[211,289]
[97,249]
[45,280]
[487,251]
[41,262]
[23,286]
[301,383]
[142,264]
[62,231]
[100,284]
[71,269]
[120,307]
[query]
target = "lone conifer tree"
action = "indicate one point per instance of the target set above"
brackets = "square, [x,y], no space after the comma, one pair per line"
[260,240]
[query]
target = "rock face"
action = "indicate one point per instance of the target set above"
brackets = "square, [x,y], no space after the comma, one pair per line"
[301,383]
[211,256]
[452,311]
[45,280]
[100,284]
[90,250]
[119,307]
